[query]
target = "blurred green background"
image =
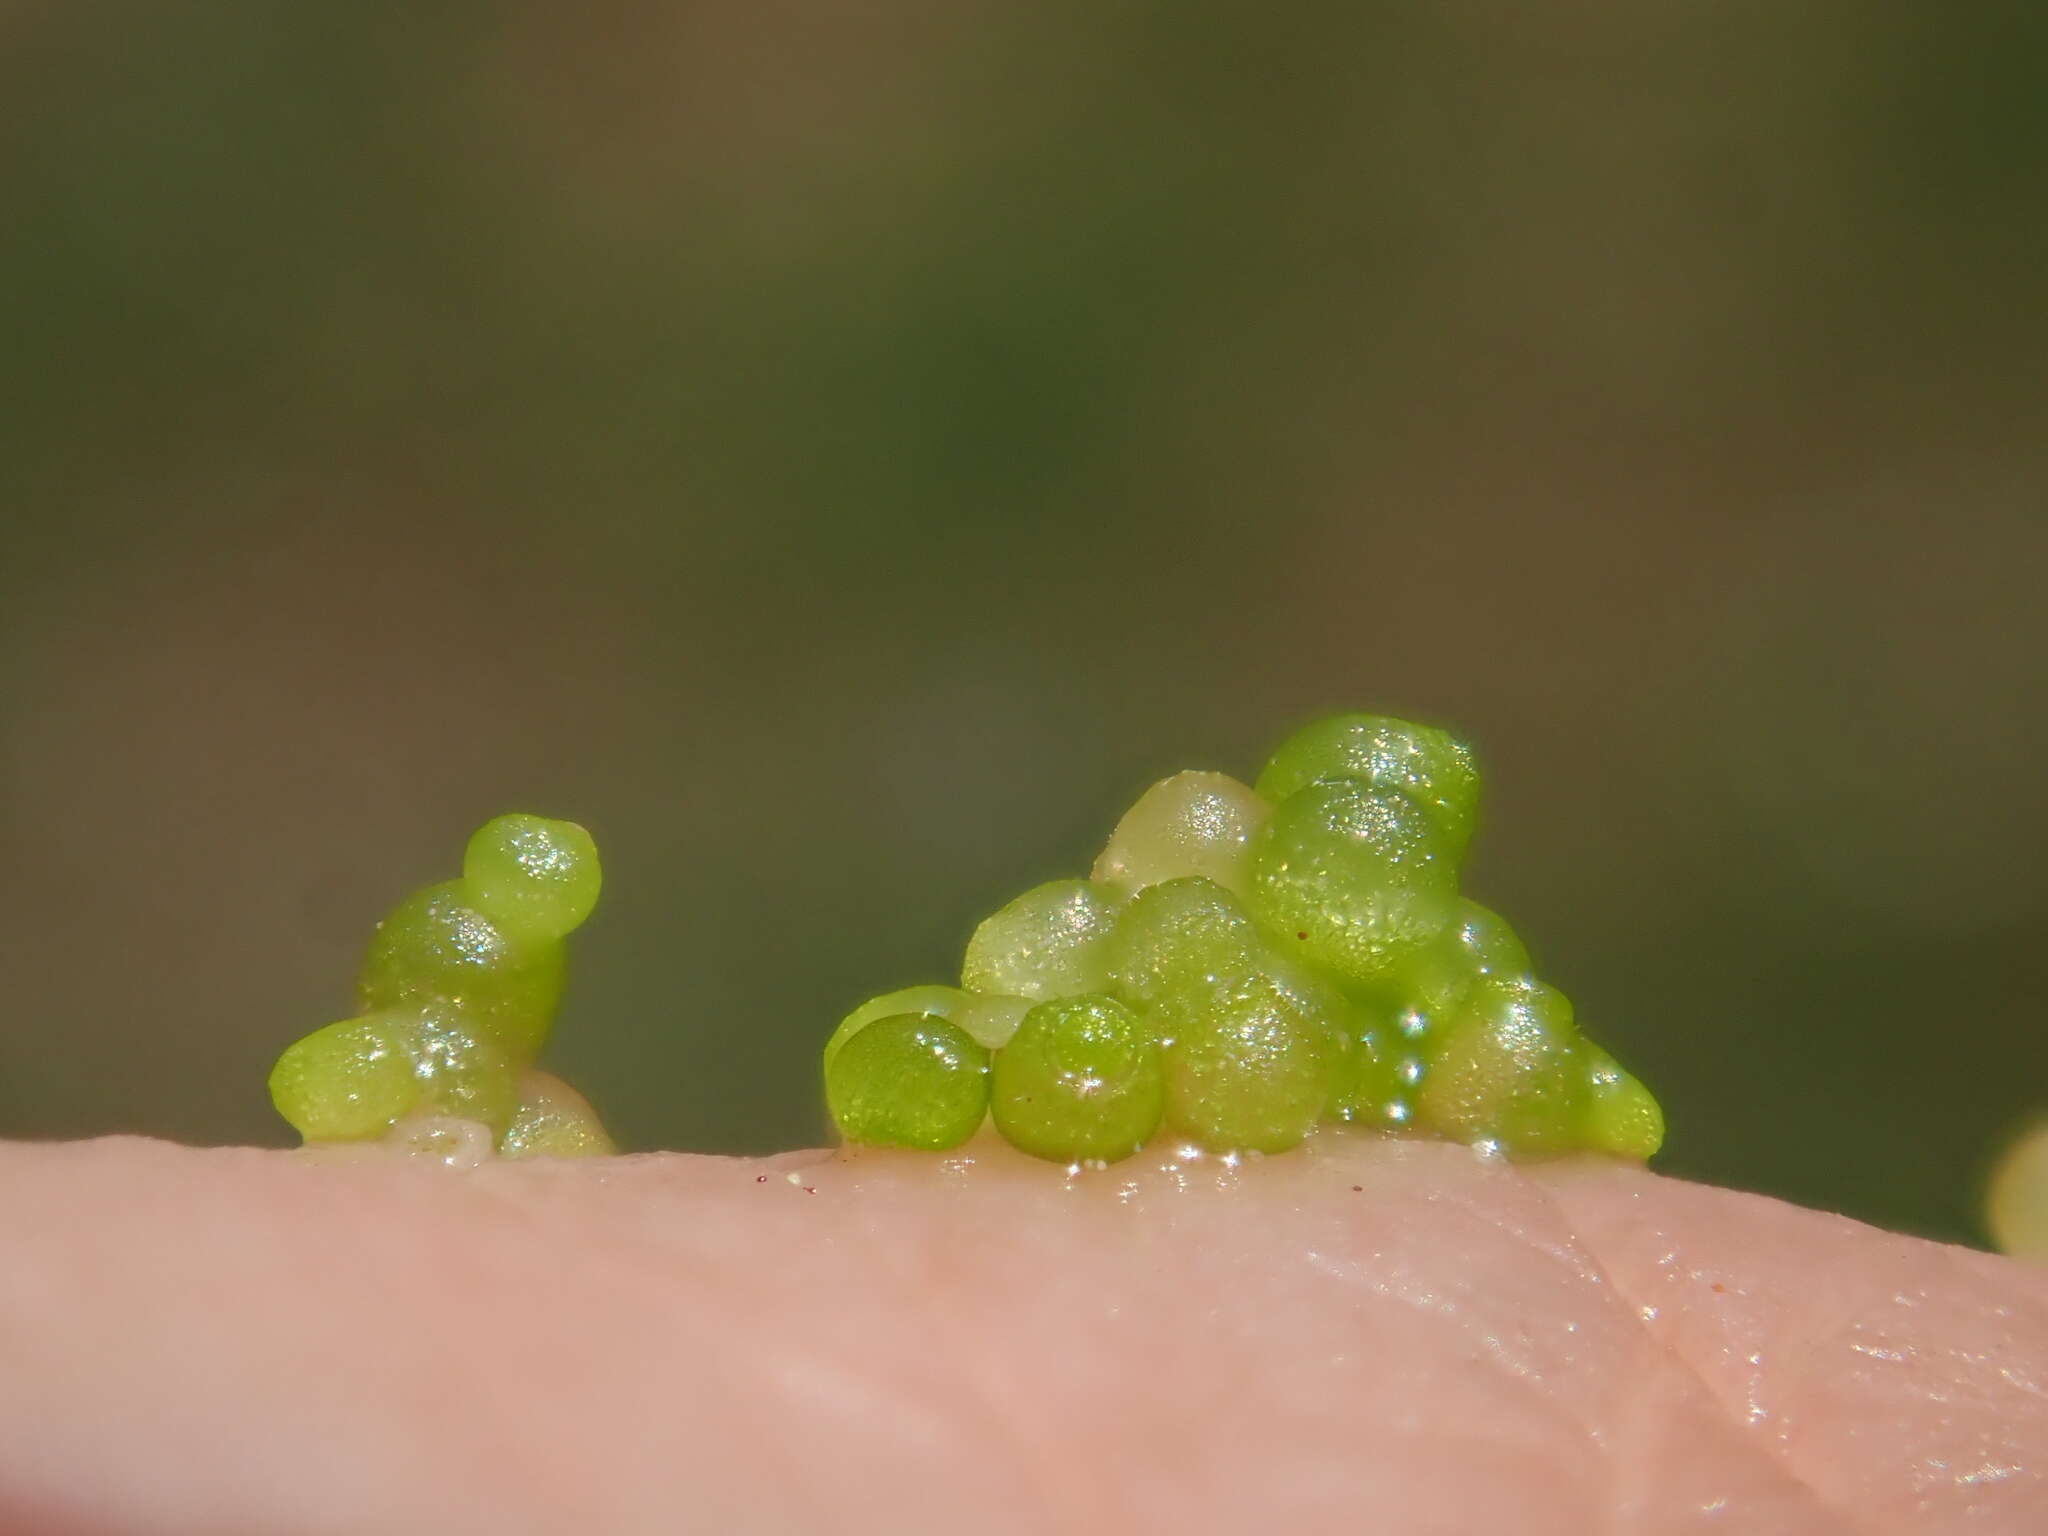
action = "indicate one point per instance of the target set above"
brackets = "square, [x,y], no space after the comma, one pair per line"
[843,453]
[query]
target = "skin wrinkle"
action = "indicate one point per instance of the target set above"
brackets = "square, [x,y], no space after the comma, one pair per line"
[1511,1358]
[1123,1491]
[1095,1496]
[1222,1388]
[1516,1374]
[1771,1440]
[1777,1455]
[1571,1253]
[1518,1232]
[664,1317]
[1828,1405]
[1386,1275]
[989,1401]
[1619,1471]
[811,1375]
[650,1271]
[931,1408]
[1564,1254]
[1984,1465]
[703,1293]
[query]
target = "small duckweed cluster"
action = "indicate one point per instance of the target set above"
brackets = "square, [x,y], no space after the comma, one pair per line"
[1242,965]
[457,994]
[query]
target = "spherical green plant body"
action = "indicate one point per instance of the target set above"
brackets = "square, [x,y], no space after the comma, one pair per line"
[459,986]
[437,946]
[462,1069]
[1190,824]
[1247,1068]
[1352,879]
[1081,1080]
[1430,766]
[1176,934]
[1478,946]
[1623,1119]
[1368,1089]
[1361,1069]
[913,1081]
[1047,943]
[991,1018]
[1509,1068]
[553,1120]
[2016,1195]
[348,1081]
[938,1002]
[1241,966]
[533,877]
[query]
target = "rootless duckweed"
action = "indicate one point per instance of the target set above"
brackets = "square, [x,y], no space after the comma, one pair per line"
[1243,966]
[458,992]
[1240,967]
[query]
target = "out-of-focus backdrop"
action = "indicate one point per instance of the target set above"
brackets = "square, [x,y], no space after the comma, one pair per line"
[843,453]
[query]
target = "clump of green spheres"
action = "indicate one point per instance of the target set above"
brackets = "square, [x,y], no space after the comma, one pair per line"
[456,996]
[1242,966]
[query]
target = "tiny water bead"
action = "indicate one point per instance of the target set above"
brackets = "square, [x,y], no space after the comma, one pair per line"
[446,1139]
[458,992]
[1242,967]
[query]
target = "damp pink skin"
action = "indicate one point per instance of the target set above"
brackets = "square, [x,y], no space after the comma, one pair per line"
[1369,1335]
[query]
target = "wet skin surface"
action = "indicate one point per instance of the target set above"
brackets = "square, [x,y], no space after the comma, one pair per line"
[1366,1334]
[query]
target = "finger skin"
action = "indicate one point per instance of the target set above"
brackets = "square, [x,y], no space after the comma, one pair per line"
[1904,1378]
[1371,1334]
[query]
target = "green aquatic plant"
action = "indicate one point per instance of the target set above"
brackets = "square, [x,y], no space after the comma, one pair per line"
[1242,966]
[458,991]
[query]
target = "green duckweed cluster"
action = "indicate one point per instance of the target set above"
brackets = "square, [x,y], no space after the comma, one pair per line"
[456,995]
[1243,965]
